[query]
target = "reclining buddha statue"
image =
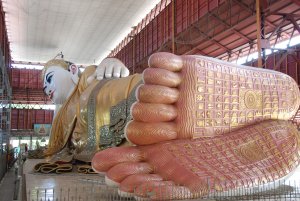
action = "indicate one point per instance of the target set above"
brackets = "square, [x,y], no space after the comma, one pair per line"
[77,96]
[79,122]
[187,126]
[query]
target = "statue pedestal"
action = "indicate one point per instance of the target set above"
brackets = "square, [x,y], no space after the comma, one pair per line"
[67,186]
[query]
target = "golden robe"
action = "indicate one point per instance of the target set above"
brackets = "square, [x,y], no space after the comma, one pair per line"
[93,117]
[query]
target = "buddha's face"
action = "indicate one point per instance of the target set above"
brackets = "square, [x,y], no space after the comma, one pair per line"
[58,84]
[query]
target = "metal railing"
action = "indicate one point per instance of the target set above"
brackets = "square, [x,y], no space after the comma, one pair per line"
[94,190]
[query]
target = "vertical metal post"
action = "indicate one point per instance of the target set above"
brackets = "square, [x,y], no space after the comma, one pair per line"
[262,25]
[133,52]
[30,143]
[258,33]
[173,26]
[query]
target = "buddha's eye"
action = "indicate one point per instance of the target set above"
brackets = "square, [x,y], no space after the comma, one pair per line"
[49,79]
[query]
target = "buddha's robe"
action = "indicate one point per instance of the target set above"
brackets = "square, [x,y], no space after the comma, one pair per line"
[93,118]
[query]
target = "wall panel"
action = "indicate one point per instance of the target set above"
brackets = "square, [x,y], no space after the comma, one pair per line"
[291,67]
[285,63]
[26,78]
[26,118]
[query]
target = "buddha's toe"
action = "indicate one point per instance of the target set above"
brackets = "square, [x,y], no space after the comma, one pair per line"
[153,112]
[122,170]
[104,160]
[129,185]
[145,133]
[162,190]
[165,60]
[148,93]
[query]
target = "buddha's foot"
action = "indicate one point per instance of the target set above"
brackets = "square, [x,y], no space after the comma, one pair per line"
[187,97]
[187,168]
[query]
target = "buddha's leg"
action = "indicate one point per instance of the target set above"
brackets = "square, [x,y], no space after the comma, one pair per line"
[186,168]
[188,97]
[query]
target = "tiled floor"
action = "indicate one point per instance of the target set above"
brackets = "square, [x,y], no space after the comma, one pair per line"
[7,185]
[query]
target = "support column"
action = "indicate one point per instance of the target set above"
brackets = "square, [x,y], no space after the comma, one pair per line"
[30,143]
[133,52]
[173,26]
[262,25]
[258,34]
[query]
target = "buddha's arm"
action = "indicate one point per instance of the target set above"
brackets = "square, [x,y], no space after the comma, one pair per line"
[103,112]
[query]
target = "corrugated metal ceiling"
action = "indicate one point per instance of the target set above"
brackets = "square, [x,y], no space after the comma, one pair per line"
[85,31]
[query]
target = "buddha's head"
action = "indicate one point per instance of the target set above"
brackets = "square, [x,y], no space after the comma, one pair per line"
[60,78]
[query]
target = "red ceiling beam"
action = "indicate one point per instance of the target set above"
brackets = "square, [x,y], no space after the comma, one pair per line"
[296,2]
[264,4]
[211,38]
[231,28]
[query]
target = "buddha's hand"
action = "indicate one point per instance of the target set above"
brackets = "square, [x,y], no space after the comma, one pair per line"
[110,67]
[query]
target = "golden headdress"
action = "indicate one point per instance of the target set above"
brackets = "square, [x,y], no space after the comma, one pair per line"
[55,62]
[60,63]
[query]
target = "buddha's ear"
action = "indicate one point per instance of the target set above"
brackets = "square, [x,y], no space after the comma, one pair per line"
[74,70]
